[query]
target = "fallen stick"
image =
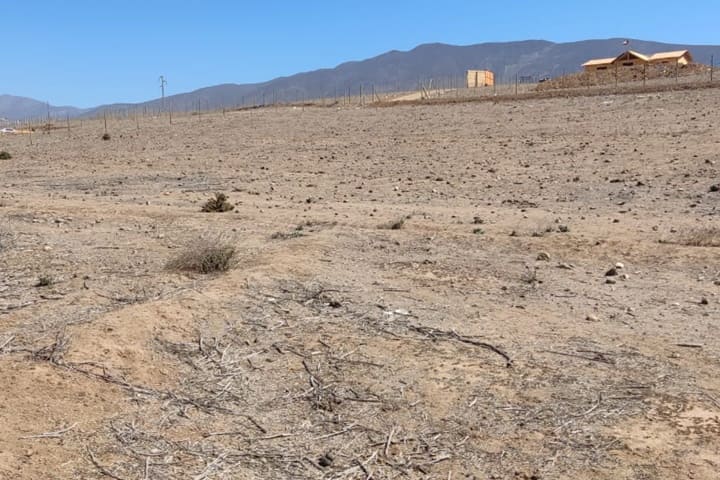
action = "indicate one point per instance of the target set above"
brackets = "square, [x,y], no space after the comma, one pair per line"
[7,342]
[55,434]
[100,468]
[335,434]
[453,335]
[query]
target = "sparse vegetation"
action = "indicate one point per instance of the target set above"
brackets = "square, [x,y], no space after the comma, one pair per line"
[700,237]
[295,233]
[207,254]
[219,203]
[44,281]
[530,276]
[395,224]
[106,136]
[6,238]
[5,155]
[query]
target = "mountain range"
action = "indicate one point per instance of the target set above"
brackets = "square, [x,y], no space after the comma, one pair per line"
[391,71]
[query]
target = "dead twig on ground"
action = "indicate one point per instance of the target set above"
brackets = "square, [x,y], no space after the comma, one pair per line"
[55,434]
[453,335]
[597,356]
[100,468]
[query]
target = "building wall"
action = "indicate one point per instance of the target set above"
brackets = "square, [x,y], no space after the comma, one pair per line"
[599,68]
[480,78]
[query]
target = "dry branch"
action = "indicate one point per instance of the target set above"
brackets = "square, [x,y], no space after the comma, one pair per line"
[452,335]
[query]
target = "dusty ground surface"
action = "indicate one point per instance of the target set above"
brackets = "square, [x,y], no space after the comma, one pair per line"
[482,338]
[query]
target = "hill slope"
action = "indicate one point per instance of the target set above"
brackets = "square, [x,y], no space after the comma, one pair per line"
[21,108]
[391,71]
[397,70]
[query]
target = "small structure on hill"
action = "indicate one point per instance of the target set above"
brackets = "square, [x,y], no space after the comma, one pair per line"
[480,78]
[631,58]
[679,57]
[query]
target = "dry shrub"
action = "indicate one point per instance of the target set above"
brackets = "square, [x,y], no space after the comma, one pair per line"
[106,136]
[5,155]
[208,254]
[6,237]
[395,224]
[219,203]
[45,281]
[701,237]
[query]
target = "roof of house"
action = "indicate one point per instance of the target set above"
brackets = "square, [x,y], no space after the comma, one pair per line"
[607,61]
[647,58]
[634,54]
[598,61]
[669,55]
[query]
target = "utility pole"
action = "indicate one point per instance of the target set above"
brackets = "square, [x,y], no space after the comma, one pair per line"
[163,82]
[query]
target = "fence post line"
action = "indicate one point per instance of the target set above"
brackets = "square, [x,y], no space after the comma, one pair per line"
[616,76]
[712,66]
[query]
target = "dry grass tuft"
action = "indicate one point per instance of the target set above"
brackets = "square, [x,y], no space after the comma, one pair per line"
[219,203]
[207,254]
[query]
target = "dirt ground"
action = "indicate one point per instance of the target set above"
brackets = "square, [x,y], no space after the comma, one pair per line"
[514,290]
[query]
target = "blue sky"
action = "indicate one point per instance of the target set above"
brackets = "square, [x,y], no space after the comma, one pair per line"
[84,53]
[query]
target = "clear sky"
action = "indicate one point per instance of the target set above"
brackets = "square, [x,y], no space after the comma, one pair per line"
[88,52]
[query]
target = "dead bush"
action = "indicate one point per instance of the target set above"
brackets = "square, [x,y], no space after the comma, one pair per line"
[395,224]
[207,254]
[701,237]
[6,237]
[296,233]
[219,203]
[45,281]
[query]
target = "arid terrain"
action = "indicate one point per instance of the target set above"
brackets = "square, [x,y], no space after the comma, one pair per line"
[512,290]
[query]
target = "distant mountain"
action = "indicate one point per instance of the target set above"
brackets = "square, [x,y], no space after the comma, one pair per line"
[22,108]
[396,71]
[391,71]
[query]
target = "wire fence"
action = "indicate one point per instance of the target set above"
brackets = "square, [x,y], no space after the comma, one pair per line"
[430,88]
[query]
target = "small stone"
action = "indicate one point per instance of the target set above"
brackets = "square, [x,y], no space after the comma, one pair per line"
[592,318]
[47,248]
[612,272]
[715,188]
[543,257]
[565,266]
[563,228]
[625,276]
[619,266]
[611,281]
[704,301]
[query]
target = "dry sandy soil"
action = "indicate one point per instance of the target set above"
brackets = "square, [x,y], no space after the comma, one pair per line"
[480,339]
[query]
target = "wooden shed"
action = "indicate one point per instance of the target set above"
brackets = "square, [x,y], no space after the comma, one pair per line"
[480,78]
